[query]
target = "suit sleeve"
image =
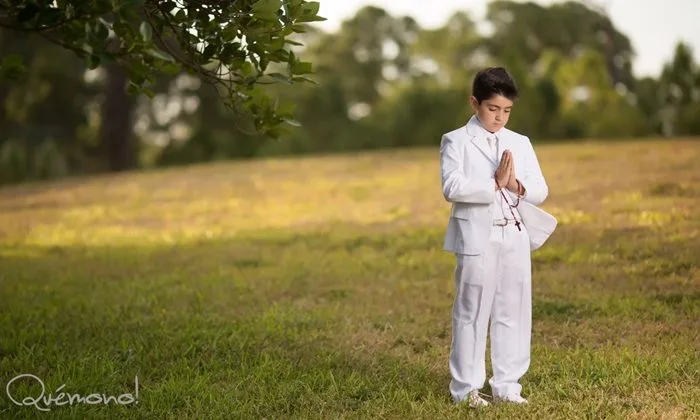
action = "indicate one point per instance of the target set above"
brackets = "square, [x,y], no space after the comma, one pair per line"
[536,189]
[456,186]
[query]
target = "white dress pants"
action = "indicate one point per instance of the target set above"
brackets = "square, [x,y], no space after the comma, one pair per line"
[494,286]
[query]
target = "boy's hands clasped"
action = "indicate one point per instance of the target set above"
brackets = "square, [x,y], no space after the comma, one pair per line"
[505,173]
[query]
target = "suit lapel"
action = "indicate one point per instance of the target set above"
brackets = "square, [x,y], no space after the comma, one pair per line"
[483,149]
[480,143]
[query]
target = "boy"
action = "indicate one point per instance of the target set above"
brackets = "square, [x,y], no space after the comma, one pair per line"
[486,171]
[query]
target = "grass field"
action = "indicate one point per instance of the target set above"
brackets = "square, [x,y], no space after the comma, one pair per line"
[317,288]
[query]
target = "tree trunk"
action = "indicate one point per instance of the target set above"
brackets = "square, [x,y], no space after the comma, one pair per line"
[117,137]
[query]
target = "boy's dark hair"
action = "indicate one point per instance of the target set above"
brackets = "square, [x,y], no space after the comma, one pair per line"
[494,81]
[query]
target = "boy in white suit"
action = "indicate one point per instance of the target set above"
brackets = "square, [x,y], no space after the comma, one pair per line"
[487,171]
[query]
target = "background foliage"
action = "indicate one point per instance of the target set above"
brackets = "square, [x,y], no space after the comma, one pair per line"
[381,81]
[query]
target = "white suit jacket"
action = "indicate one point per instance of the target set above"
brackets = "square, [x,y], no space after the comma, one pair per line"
[467,171]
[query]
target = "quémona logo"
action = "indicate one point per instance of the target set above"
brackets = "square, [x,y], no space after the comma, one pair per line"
[44,401]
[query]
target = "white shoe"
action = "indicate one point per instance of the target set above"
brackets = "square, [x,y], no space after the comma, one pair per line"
[475,401]
[512,398]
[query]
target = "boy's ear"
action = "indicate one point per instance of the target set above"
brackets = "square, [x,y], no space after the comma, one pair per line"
[474,102]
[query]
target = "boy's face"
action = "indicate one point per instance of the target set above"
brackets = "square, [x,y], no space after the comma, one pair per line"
[493,112]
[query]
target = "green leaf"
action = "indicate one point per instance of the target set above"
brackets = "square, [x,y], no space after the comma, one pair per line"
[291,42]
[311,19]
[167,6]
[93,61]
[247,69]
[302,67]
[181,15]
[304,79]
[229,52]
[123,30]
[275,44]
[267,6]
[255,48]
[229,33]
[154,52]
[292,122]
[209,52]
[309,12]
[270,17]
[280,77]
[146,31]
[204,15]
[287,30]
[310,8]
[171,68]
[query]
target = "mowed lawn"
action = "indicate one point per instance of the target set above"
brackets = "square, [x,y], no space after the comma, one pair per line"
[317,287]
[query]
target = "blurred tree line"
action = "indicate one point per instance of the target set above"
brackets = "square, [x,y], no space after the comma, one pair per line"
[383,81]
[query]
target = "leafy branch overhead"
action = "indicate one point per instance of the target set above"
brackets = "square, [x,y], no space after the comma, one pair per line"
[235,45]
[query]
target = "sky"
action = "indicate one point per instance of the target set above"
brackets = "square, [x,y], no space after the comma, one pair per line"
[653,38]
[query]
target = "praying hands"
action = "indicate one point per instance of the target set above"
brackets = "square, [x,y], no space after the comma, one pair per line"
[505,175]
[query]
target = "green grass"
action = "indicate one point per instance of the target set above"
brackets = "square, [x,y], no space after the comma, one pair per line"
[317,288]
